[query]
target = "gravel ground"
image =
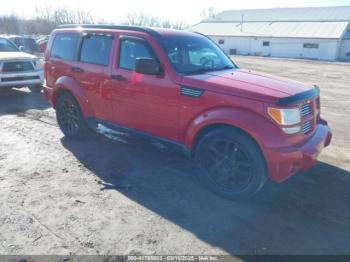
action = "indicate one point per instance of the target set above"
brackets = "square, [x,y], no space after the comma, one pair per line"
[127,196]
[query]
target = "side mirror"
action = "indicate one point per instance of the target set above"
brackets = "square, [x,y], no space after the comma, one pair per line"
[22,48]
[147,66]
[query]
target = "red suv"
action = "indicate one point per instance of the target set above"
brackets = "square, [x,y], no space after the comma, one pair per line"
[240,127]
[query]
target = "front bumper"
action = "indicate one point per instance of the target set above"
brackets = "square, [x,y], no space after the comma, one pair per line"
[21,79]
[283,163]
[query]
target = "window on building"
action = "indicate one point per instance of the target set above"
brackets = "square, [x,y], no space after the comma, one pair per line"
[131,49]
[65,46]
[310,45]
[266,43]
[96,49]
[221,41]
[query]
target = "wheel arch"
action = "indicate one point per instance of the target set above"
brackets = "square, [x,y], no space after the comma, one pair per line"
[66,84]
[210,127]
[255,126]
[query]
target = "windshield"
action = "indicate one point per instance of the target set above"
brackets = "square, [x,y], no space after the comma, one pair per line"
[195,55]
[7,46]
[28,43]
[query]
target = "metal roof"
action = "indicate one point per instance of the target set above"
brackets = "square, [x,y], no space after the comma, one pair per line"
[334,13]
[347,33]
[328,30]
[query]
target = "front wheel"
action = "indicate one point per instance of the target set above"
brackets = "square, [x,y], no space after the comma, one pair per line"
[230,163]
[69,117]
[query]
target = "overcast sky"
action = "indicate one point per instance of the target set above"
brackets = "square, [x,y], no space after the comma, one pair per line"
[175,10]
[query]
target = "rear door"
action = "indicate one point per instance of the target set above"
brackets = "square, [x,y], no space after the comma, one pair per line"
[92,70]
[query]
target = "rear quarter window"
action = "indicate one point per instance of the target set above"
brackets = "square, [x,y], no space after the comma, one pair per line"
[65,46]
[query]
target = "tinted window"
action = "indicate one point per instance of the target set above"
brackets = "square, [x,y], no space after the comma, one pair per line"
[96,49]
[65,46]
[131,49]
[7,46]
[195,55]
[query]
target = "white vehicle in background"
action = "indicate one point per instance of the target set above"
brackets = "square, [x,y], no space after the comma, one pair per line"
[19,69]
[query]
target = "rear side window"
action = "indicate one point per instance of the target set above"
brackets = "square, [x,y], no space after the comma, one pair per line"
[96,49]
[64,46]
[130,49]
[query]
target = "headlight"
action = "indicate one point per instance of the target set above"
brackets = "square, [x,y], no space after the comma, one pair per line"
[286,117]
[39,63]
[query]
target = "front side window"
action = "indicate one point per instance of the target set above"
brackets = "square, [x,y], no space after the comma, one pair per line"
[195,55]
[130,49]
[96,49]
[65,46]
[7,46]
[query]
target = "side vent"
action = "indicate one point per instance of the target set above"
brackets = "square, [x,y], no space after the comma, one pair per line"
[191,91]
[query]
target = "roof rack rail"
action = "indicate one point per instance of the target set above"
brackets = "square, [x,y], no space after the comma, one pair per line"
[147,30]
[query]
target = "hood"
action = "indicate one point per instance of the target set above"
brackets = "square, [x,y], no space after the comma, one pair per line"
[246,83]
[15,56]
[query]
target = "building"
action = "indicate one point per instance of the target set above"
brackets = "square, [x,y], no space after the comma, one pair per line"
[314,32]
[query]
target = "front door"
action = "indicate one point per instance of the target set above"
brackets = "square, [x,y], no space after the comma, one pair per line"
[146,103]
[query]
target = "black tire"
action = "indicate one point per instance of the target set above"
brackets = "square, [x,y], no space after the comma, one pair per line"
[230,163]
[69,117]
[35,88]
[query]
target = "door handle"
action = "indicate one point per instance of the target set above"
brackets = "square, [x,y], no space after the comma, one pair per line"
[77,69]
[118,77]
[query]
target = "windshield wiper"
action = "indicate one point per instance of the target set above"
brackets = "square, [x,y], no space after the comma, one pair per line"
[223,68]
[205,70]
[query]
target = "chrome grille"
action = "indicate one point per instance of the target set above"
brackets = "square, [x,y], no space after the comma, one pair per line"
[306,109]
[307,127]
[17,66]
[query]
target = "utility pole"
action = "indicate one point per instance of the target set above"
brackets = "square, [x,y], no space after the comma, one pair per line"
[242,22]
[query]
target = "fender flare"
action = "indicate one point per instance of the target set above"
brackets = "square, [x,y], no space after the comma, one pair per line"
[258,127]
[69,84]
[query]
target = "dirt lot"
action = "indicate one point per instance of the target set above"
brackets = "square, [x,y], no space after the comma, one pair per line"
[103,196]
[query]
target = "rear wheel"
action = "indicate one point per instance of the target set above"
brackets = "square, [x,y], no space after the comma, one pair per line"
[69,117]
[35,88]
[230,163]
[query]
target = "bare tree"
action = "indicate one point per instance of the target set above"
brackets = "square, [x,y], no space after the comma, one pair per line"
[10,25]
[141,19]
[207,13]
[47,19]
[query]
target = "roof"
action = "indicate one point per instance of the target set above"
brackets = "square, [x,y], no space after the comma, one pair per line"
[335,13]
[113,27]
[347,33]
[327,30]
[156,32]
